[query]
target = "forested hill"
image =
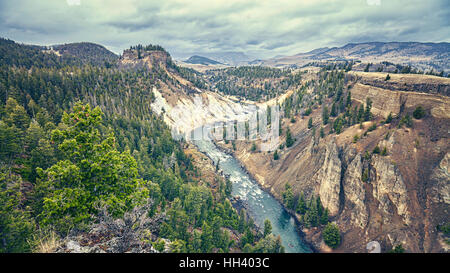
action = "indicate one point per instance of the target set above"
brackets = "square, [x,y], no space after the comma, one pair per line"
[27,56]
[80,145]
[255,83]
[87,53]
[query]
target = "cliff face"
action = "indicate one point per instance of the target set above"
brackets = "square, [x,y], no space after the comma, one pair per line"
[149,59]
[396,198]
[329,178]
[355,194]
[440,191]
[403,82]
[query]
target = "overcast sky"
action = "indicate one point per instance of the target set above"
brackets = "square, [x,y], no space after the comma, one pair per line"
[259,28]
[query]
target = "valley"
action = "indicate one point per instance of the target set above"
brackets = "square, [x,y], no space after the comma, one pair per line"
[360,154]
[366,164]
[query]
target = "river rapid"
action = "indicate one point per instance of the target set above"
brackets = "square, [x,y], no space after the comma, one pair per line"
[260,205]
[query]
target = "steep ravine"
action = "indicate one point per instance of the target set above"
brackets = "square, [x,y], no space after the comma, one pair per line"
[393,205]
[405,196]
[259,204]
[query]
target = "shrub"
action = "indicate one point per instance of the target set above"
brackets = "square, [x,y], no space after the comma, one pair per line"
[389,118]
[376,150]
[159,245]
[397,249]
[275,155]
[365,175]
[407,120]
[308,112]
[331,235]
[419,112]
[310,123]
[372,127]
[289,139]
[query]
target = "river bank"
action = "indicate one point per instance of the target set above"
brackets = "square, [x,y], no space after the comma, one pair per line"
[311,236]
[262,203]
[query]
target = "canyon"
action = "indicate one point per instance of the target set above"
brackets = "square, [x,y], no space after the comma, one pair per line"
[406,193]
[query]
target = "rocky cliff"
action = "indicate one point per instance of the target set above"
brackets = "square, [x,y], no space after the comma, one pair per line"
[398,197]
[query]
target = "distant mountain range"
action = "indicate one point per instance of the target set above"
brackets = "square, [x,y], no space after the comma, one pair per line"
[232,58]
[201,60]
[424,56]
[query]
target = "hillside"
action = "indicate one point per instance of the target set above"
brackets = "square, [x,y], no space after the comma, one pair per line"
[21,55]
[73,54]
[378,166]
[86,52]
[88,166]
[252,82]
[372,150]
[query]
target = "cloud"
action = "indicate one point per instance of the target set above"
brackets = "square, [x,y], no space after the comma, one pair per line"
[73,2]
[260,28]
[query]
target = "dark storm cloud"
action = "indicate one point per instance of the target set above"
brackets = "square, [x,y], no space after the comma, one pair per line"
[259,28]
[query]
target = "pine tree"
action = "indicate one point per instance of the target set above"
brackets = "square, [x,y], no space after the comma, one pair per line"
[301,204]
[331,235]
[275,155]
[267,227]
[349,99]
[94,171]
[310,124]
[288,197]
[324,217]
[325,115]
[333,112]
[367,113]
[289,140]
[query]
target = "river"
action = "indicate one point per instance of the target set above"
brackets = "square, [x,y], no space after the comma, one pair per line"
[260,204]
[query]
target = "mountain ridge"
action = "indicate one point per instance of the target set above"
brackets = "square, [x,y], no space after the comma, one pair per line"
[425,56]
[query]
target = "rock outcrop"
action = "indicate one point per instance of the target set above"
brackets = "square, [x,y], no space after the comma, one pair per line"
[441,174]
[329,178]
[395,198]
[355,193]
[389,188]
